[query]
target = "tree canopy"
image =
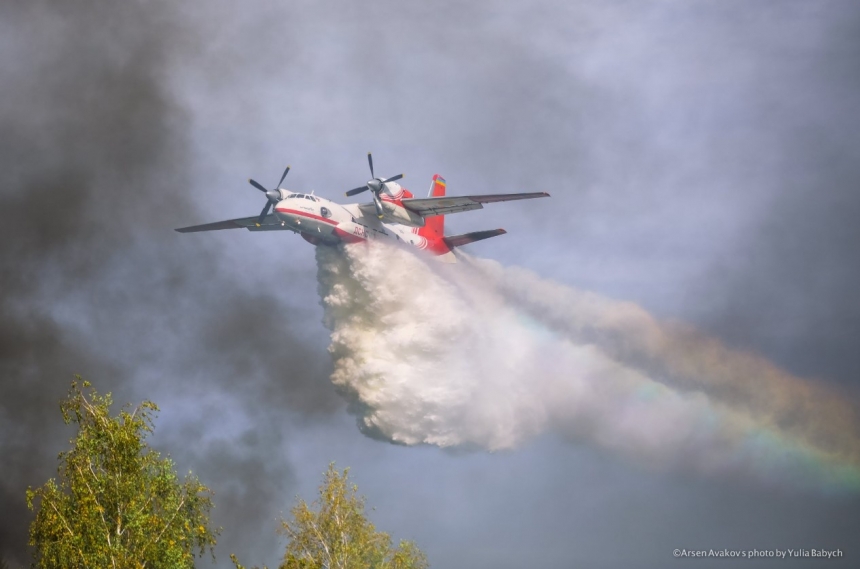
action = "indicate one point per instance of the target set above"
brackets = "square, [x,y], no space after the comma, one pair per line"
[116,503]
[335,533]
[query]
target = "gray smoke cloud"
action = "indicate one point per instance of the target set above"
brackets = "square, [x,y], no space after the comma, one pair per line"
[94,281]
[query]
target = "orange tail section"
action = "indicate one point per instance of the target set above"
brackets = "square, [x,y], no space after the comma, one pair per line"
[434,227]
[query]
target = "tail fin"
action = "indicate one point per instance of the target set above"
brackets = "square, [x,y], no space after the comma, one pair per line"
[434,227]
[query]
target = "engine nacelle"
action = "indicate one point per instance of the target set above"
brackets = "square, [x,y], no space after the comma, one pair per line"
[400,214]
[393,213]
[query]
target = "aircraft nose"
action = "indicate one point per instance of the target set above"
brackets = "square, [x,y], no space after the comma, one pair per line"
[284,211]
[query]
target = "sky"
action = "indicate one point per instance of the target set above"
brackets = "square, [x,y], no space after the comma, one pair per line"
[703,160]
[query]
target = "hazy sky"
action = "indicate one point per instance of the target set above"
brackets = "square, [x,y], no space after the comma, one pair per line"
[704,162]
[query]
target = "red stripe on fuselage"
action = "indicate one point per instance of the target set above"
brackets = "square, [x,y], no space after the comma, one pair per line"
[306,214]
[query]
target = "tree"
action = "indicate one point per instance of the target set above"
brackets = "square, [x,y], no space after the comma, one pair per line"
[116,503]
[336,534]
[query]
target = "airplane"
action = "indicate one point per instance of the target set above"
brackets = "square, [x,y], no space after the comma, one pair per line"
[394,213]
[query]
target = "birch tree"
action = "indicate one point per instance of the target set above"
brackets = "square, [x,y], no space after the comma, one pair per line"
[115,502]
[334,533]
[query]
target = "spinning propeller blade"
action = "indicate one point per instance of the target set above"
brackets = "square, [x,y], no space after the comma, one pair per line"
[375,185]
[357,190]
[272,196]
[264,213]
[258,186]
[378,203]
[284,176]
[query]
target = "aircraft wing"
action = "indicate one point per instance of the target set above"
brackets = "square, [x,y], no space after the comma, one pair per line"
[444,205]
[270,223]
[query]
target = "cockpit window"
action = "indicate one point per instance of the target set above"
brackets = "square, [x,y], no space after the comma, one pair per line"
[303,196]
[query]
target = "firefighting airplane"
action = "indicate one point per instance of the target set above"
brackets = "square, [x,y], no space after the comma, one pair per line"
[393,214]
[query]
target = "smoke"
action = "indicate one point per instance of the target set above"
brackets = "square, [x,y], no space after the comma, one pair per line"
[478,355]
[97,170]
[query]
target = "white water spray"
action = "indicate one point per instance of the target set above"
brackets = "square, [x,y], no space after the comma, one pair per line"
[476,355]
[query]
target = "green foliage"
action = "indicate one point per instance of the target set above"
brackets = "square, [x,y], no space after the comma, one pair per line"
[336,534]
[116,503]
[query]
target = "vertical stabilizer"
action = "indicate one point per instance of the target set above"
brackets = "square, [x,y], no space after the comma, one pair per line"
[434,227]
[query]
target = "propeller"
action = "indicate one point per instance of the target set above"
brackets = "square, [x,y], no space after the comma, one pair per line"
[272,196]
[375,186]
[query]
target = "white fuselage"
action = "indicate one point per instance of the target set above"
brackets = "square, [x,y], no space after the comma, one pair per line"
[322,221]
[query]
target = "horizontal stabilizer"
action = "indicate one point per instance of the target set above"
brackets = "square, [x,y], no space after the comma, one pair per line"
[466,238]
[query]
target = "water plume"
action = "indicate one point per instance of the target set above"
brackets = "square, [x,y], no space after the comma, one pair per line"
[481,356]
